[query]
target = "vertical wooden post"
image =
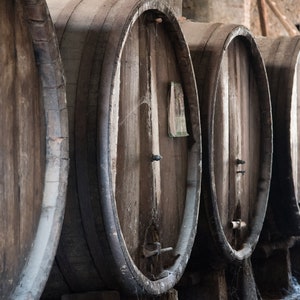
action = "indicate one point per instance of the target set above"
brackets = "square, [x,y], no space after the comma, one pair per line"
[211,285]
[263,18]
[272,270]
[240,280]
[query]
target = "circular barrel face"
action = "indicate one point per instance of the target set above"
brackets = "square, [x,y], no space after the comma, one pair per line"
[27,168]
[237,133]
[282,63]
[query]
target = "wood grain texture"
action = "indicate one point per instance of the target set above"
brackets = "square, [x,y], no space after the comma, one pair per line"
[282,63]
[119,63]
[237,133]
[31,115]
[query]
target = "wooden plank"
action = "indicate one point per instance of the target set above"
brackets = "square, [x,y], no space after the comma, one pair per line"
[263,16]
[22,146]
[126,144]
[155,121]
[173,150]
[221,139]
[33,115]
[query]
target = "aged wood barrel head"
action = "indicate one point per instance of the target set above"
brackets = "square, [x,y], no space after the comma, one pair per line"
[136,153]
[237,133]
[151,199]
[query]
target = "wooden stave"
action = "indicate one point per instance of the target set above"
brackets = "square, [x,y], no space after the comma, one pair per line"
[211,61]
[105,90]
[33,271]
[281,56]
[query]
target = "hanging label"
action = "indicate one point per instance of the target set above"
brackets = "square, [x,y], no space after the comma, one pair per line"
[176,113]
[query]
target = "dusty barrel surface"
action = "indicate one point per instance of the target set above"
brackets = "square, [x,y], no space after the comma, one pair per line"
[33,148]
[237,133]
[135,151]
[281,57]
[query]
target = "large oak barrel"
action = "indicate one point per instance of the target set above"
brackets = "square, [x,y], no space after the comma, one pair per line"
[237,134]
[33,148]
[282,61]
[134,187]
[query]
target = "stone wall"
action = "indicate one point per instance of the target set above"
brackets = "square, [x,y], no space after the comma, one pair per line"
[241,12]
[176,5]
[289,8]
[225,11]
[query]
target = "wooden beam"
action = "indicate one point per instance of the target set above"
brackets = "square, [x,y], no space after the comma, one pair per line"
[287,24]
[263,17]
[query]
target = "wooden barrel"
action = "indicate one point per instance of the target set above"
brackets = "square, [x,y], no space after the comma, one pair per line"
[134,187]
[33,148]
[237,134]
[282,61]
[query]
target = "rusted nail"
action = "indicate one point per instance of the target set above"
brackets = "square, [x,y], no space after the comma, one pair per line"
[240,162]
[238,224]
[156,157]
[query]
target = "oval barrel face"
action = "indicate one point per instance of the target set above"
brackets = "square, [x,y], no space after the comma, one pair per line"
[152,146]
[236,143]
[237,134]
[22,148]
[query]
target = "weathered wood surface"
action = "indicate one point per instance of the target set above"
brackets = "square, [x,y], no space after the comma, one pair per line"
[33,148]
[237,134]
[133,188]
[219,281]
[282,57]
[205,285]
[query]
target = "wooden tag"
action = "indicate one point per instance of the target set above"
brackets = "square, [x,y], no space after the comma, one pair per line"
[176,113]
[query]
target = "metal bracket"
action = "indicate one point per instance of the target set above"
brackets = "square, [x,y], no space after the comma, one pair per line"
[154,249]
